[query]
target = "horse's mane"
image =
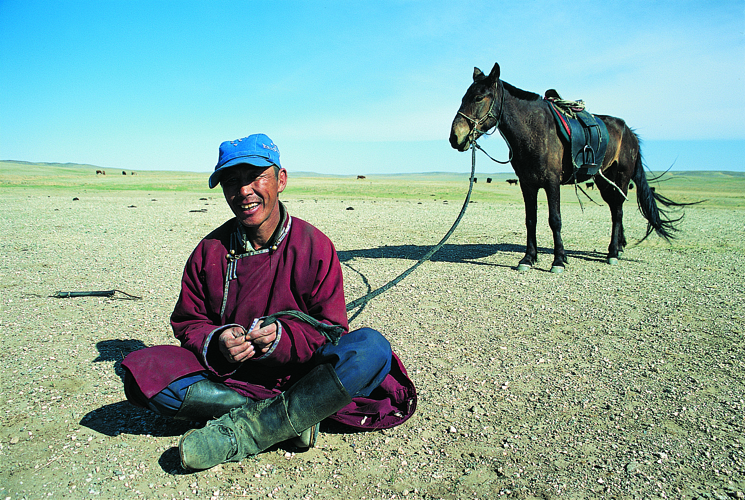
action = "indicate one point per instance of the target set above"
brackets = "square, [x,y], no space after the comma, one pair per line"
[520,93]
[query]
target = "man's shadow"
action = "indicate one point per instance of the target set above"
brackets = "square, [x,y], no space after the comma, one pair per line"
[124,418]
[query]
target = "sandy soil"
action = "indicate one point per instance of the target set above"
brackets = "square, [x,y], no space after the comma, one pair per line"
[607,381]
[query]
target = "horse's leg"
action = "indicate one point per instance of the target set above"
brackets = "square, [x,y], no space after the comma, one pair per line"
[553,194]
[616,238]
[530,198]
[615,202]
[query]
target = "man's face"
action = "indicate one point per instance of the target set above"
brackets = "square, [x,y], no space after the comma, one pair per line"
[252,194]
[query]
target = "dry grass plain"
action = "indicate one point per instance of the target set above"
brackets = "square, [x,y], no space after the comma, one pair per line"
[605,382]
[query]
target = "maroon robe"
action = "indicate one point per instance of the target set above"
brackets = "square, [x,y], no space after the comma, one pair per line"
[299,271]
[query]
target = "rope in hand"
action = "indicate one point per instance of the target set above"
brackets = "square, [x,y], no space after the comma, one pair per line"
[332,332]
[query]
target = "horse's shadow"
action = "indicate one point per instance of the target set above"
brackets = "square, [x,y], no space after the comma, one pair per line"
[458,254]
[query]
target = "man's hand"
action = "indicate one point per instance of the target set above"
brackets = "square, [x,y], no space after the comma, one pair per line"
[237,346]
[262,338]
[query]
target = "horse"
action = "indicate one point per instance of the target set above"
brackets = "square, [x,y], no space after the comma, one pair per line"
[542,161]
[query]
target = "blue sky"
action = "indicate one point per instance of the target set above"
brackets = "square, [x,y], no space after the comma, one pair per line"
[356,87]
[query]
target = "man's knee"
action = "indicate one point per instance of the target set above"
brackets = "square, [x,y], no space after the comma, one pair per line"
[374,346]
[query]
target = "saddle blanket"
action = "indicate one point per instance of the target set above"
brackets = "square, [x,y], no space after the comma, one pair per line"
[587,137]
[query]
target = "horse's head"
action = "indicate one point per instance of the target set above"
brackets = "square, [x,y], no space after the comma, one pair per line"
[477,110]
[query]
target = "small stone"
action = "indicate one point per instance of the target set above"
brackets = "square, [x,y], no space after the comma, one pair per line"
[632,467]
[452,430]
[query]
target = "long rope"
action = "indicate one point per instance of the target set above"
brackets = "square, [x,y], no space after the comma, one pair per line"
[366,298]
[334,332]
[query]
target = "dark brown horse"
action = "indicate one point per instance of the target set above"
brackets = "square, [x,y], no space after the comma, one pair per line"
[541,160]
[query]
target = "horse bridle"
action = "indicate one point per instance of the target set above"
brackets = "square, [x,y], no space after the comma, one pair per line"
[475,124]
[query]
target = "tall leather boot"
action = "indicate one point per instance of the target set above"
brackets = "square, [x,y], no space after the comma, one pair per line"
[256,426]
[307,438]
[206,400]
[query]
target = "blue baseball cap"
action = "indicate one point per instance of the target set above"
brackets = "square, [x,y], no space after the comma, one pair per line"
[256,149]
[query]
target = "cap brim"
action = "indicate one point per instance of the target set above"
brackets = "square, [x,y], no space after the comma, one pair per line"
[250,161]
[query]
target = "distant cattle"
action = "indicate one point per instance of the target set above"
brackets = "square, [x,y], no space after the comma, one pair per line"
[131,173]
[512,181]
[124,173]
[361,177]
[590,185]
[475,180]
[100,172]
[488,180]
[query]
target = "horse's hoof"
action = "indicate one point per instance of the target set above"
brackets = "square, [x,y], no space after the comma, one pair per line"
[523,267]
[612,261]
[557,269]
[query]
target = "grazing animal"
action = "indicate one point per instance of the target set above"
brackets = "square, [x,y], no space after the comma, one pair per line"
[361,177]
[124,173]
[488,180]
[99,172]
[541,161]
[590,185]
[512,182]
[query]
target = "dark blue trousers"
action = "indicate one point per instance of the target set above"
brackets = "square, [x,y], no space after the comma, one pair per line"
[362,359]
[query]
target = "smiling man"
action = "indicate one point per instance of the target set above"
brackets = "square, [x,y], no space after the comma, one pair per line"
[265,344]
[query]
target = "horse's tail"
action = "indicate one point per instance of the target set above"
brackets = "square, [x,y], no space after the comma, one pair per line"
[658,219]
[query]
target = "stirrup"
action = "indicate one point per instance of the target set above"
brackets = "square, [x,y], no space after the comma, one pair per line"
[307,438]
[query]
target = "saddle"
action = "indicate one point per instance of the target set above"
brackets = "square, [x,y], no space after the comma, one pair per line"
[584,133]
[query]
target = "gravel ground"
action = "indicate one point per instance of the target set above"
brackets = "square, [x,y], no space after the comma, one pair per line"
[607,381]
